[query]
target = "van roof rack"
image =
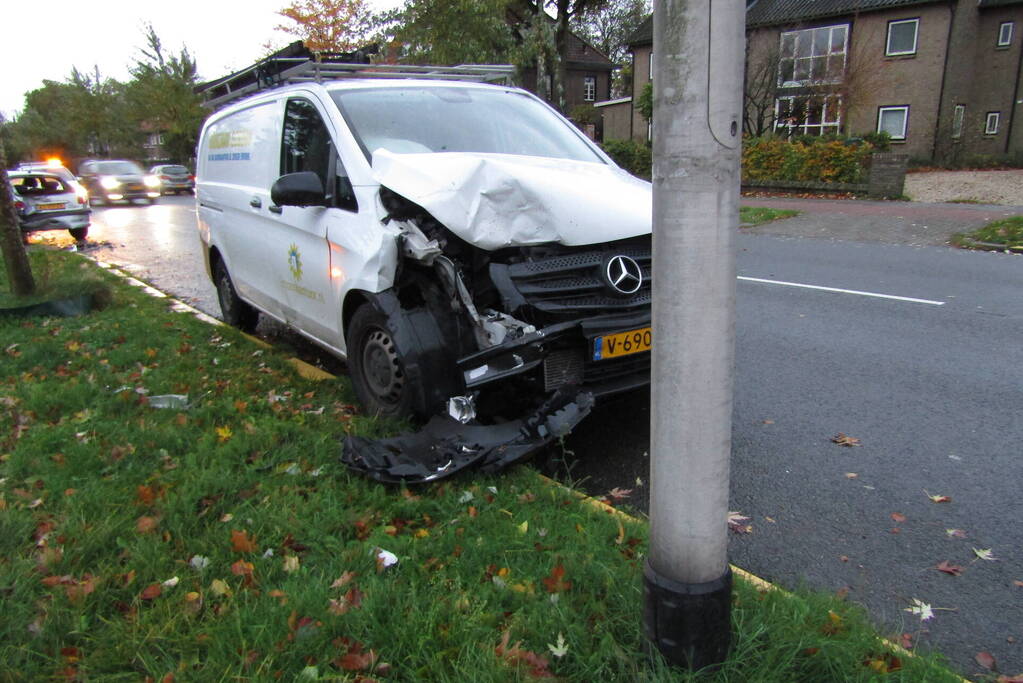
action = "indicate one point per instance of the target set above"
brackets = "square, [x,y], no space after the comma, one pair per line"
[296,64]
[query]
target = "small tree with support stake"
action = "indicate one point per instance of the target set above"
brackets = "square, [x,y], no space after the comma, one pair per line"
[19,272]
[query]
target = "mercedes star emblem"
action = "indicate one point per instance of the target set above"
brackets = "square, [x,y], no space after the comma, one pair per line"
[623,274]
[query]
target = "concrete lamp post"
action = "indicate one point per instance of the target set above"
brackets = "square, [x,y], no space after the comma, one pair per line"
[698,75]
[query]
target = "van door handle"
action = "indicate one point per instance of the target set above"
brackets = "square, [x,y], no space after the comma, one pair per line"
[255,203]
[276,209]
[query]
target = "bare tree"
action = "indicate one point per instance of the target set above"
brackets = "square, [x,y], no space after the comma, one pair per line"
[758,106]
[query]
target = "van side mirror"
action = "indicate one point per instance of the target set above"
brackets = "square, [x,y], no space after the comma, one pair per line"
[298,189]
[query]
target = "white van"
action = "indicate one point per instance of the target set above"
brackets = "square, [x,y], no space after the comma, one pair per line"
[460,244]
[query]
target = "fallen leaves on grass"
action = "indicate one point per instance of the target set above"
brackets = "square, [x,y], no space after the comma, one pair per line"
[343,580]
[948,568]
[834,624]
[884,663]
[151,592]
[560,649]
[555,583]
[351,600]
[146,525]
[291,563]
[241,543]
[515,655]
[845,440]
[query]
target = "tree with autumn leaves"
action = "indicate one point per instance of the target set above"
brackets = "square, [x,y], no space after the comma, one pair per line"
[328,25]
[528,33]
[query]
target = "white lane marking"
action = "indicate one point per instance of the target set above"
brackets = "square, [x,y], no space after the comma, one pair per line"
[842,291]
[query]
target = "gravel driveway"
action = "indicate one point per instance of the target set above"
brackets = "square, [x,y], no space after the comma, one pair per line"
[983,187]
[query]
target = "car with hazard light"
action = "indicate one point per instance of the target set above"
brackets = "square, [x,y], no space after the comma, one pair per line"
[463,246]
[43,200]
[118,180]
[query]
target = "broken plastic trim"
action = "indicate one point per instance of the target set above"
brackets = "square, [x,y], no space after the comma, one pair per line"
[444,446]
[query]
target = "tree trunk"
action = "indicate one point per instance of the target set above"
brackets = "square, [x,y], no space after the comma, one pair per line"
[19,272]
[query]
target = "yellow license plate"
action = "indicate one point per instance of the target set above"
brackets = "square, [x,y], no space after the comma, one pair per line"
[622,343]
[49,207]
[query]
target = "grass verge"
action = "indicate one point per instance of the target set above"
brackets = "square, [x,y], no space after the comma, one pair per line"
[1005,233]
[223,539]
[757,215]
[57,276]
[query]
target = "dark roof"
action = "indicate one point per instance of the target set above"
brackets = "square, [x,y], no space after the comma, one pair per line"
[998,3]
[644,35]
[767,12]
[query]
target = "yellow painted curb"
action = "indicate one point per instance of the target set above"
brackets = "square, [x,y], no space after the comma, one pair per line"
[310,371]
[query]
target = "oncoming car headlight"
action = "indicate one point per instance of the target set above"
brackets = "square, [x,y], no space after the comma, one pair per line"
[151,181]
[109,183]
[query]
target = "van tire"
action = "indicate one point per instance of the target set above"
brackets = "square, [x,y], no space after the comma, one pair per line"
[79,233]
[236,312]
[376,366]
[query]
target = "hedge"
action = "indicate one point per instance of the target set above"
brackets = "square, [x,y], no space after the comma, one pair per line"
[635,157]
[825,160]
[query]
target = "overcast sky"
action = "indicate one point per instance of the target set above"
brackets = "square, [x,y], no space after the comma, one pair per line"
[44,41]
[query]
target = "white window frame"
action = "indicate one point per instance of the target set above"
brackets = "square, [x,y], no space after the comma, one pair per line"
[904,108]
[916,38]
[958,116]
[1005,31]
[650,66]
[793,37]
[830,122]
[991,122]
[589,88]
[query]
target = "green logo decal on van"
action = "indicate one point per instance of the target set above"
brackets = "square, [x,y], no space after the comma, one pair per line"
[295,262]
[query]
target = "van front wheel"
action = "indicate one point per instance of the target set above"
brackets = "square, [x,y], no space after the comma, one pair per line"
[236,312]
[377,367]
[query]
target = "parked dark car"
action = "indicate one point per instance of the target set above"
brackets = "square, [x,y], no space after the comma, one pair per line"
[174,178]
[45,201]
[115,180]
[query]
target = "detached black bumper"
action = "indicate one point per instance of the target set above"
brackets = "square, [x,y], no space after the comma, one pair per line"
[445,446]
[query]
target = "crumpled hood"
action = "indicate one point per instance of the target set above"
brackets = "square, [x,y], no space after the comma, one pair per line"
[496,200]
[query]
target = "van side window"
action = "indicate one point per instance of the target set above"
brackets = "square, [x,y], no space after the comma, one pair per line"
[305,144]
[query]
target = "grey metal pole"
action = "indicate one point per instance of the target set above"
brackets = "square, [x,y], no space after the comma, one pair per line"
[698,63]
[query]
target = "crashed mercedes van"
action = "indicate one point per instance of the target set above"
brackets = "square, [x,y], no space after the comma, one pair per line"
[466,249]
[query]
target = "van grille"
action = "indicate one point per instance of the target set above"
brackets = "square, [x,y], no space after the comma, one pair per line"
[571,286]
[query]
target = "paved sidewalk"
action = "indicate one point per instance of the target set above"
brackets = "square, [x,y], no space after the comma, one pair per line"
[892,222]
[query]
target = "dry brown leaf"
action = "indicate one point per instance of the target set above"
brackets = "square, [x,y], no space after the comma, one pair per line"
[985,659]
[947,568]
[146,525]
[844,440]
[241,543]
[898,517]
[555,583]
[151,592]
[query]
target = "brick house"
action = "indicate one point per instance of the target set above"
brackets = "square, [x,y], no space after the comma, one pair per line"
[942,77]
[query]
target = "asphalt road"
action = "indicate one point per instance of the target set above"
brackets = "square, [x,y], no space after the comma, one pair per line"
[933,392]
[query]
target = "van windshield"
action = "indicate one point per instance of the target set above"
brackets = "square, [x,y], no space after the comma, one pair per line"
[417,120]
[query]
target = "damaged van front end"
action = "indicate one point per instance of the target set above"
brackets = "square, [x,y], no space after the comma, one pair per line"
[522,294]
